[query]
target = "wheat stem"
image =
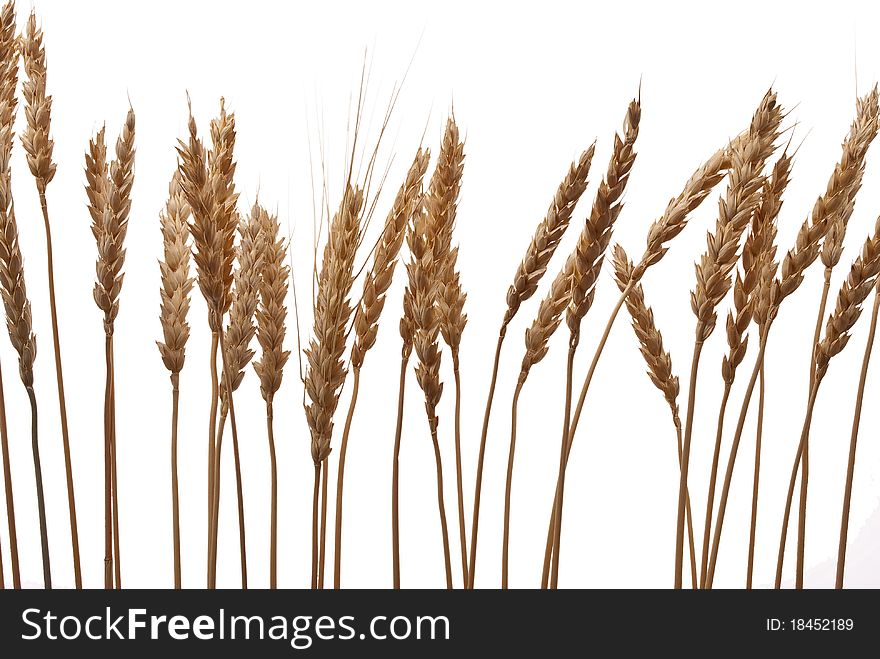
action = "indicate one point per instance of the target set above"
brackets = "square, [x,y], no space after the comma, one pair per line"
[340,475]
[685,457]
[395,471]
[507,489]
[323,553]
[458,477]
[478,488]
[175,495]
[713,477]
[117,564]
[108,460]
[7,481]
[212,429]
[854,435]
[316,495]
[731,461]
[41,501]
[442,506]
[750,567]
[273,508]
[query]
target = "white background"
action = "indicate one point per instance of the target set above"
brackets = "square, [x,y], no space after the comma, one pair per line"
[532,86]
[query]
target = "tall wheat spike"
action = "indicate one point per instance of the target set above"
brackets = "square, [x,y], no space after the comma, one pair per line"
[369,311]
[547,237]
[175,299]
[442,206]
[586,264]
[39,146]
[271,317]
[325,370]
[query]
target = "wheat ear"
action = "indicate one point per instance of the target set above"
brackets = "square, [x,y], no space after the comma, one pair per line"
[174,308]
[366,320]
[547,237]
[271,316]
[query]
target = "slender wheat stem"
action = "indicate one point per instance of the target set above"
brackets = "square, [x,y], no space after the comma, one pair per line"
[713,476]
[108,461]
[560,484]
[395,470]
[854,436]
[759,431]
[507,489]
[444,530]
[456,373]
[322,556]
[340,476]
[7,481]
[175,489]
[41,501]
[273,506]
[316,496]
[212,455]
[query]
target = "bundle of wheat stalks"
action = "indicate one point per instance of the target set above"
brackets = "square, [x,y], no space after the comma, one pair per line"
[237,258]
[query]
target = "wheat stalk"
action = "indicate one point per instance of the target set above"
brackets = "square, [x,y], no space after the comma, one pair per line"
[325,373]
[38,146]
[109,192]
[271,316]
[851,462]
[175,299]
[369,311]
[547,237]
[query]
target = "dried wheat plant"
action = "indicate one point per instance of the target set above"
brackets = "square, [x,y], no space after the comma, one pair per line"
[12,283]
[108,188]
[837,199]
[854,435]
[659,364]
[271,316]
[326,371]
[546,239]
[207,182]
[175,300]
[239,334]
[859,283]
[39,145]
[369,311]
[441,204]
[8,82]
[713,272]
[586,265]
